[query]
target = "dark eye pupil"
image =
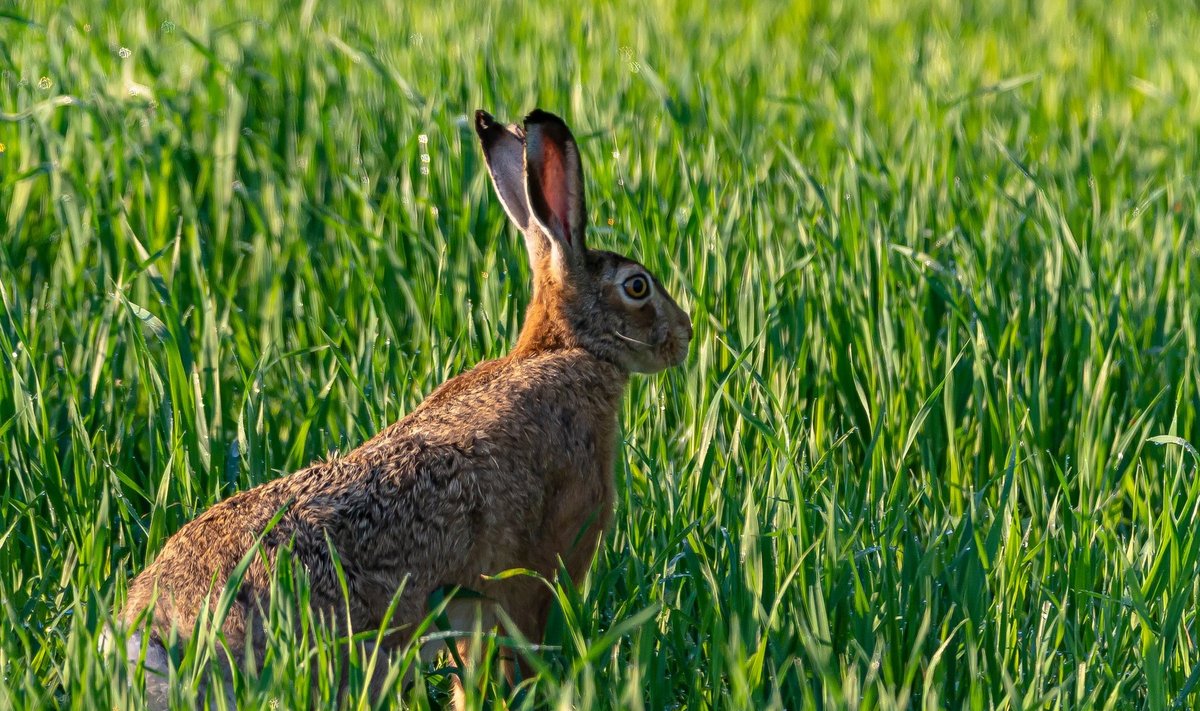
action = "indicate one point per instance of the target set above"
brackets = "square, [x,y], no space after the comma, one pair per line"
[636,287]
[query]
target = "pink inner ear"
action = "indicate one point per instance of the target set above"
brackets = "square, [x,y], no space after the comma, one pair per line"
[554,185]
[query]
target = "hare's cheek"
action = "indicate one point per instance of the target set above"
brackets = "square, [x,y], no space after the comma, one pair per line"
[644,317]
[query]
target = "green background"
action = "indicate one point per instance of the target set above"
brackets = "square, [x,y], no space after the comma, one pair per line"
[941,259]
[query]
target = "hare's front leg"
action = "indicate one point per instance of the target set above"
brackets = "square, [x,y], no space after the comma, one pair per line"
[465,617]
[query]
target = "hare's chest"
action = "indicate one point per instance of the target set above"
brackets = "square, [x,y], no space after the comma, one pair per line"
[578,513]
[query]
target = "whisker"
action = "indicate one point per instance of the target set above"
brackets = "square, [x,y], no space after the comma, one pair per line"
[632,340]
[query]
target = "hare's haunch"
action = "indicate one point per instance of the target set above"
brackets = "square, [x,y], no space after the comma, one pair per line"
[508,465]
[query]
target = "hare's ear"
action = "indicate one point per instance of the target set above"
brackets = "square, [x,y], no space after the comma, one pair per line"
[554,183]
[504,153]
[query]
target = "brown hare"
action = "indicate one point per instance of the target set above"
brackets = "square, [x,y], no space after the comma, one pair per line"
[508,465]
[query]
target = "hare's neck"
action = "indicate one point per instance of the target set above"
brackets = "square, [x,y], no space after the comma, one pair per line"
[545,330]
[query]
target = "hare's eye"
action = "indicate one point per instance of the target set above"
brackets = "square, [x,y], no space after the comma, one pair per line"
[637,287]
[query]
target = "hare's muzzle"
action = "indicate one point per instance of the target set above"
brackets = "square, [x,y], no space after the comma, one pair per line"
[678,339]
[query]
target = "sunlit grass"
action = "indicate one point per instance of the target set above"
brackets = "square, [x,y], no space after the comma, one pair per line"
[942,262]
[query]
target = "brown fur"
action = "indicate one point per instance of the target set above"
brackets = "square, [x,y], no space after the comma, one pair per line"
[509,465]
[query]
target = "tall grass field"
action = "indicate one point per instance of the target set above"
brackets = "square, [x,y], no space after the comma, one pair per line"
[934,445]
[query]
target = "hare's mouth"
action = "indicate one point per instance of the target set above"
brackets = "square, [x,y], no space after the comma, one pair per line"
[666,351]
[677,350]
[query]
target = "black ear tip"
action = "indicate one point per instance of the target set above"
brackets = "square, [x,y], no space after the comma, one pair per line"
[483,121]
[537,116]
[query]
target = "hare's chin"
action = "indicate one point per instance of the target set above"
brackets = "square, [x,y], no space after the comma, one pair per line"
[678,355]
[650,362]
[681,348]
[673,353]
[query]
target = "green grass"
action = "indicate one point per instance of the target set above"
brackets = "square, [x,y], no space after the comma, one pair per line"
[943,265]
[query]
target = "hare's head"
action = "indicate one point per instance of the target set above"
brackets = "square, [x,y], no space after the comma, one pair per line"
[603,302]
